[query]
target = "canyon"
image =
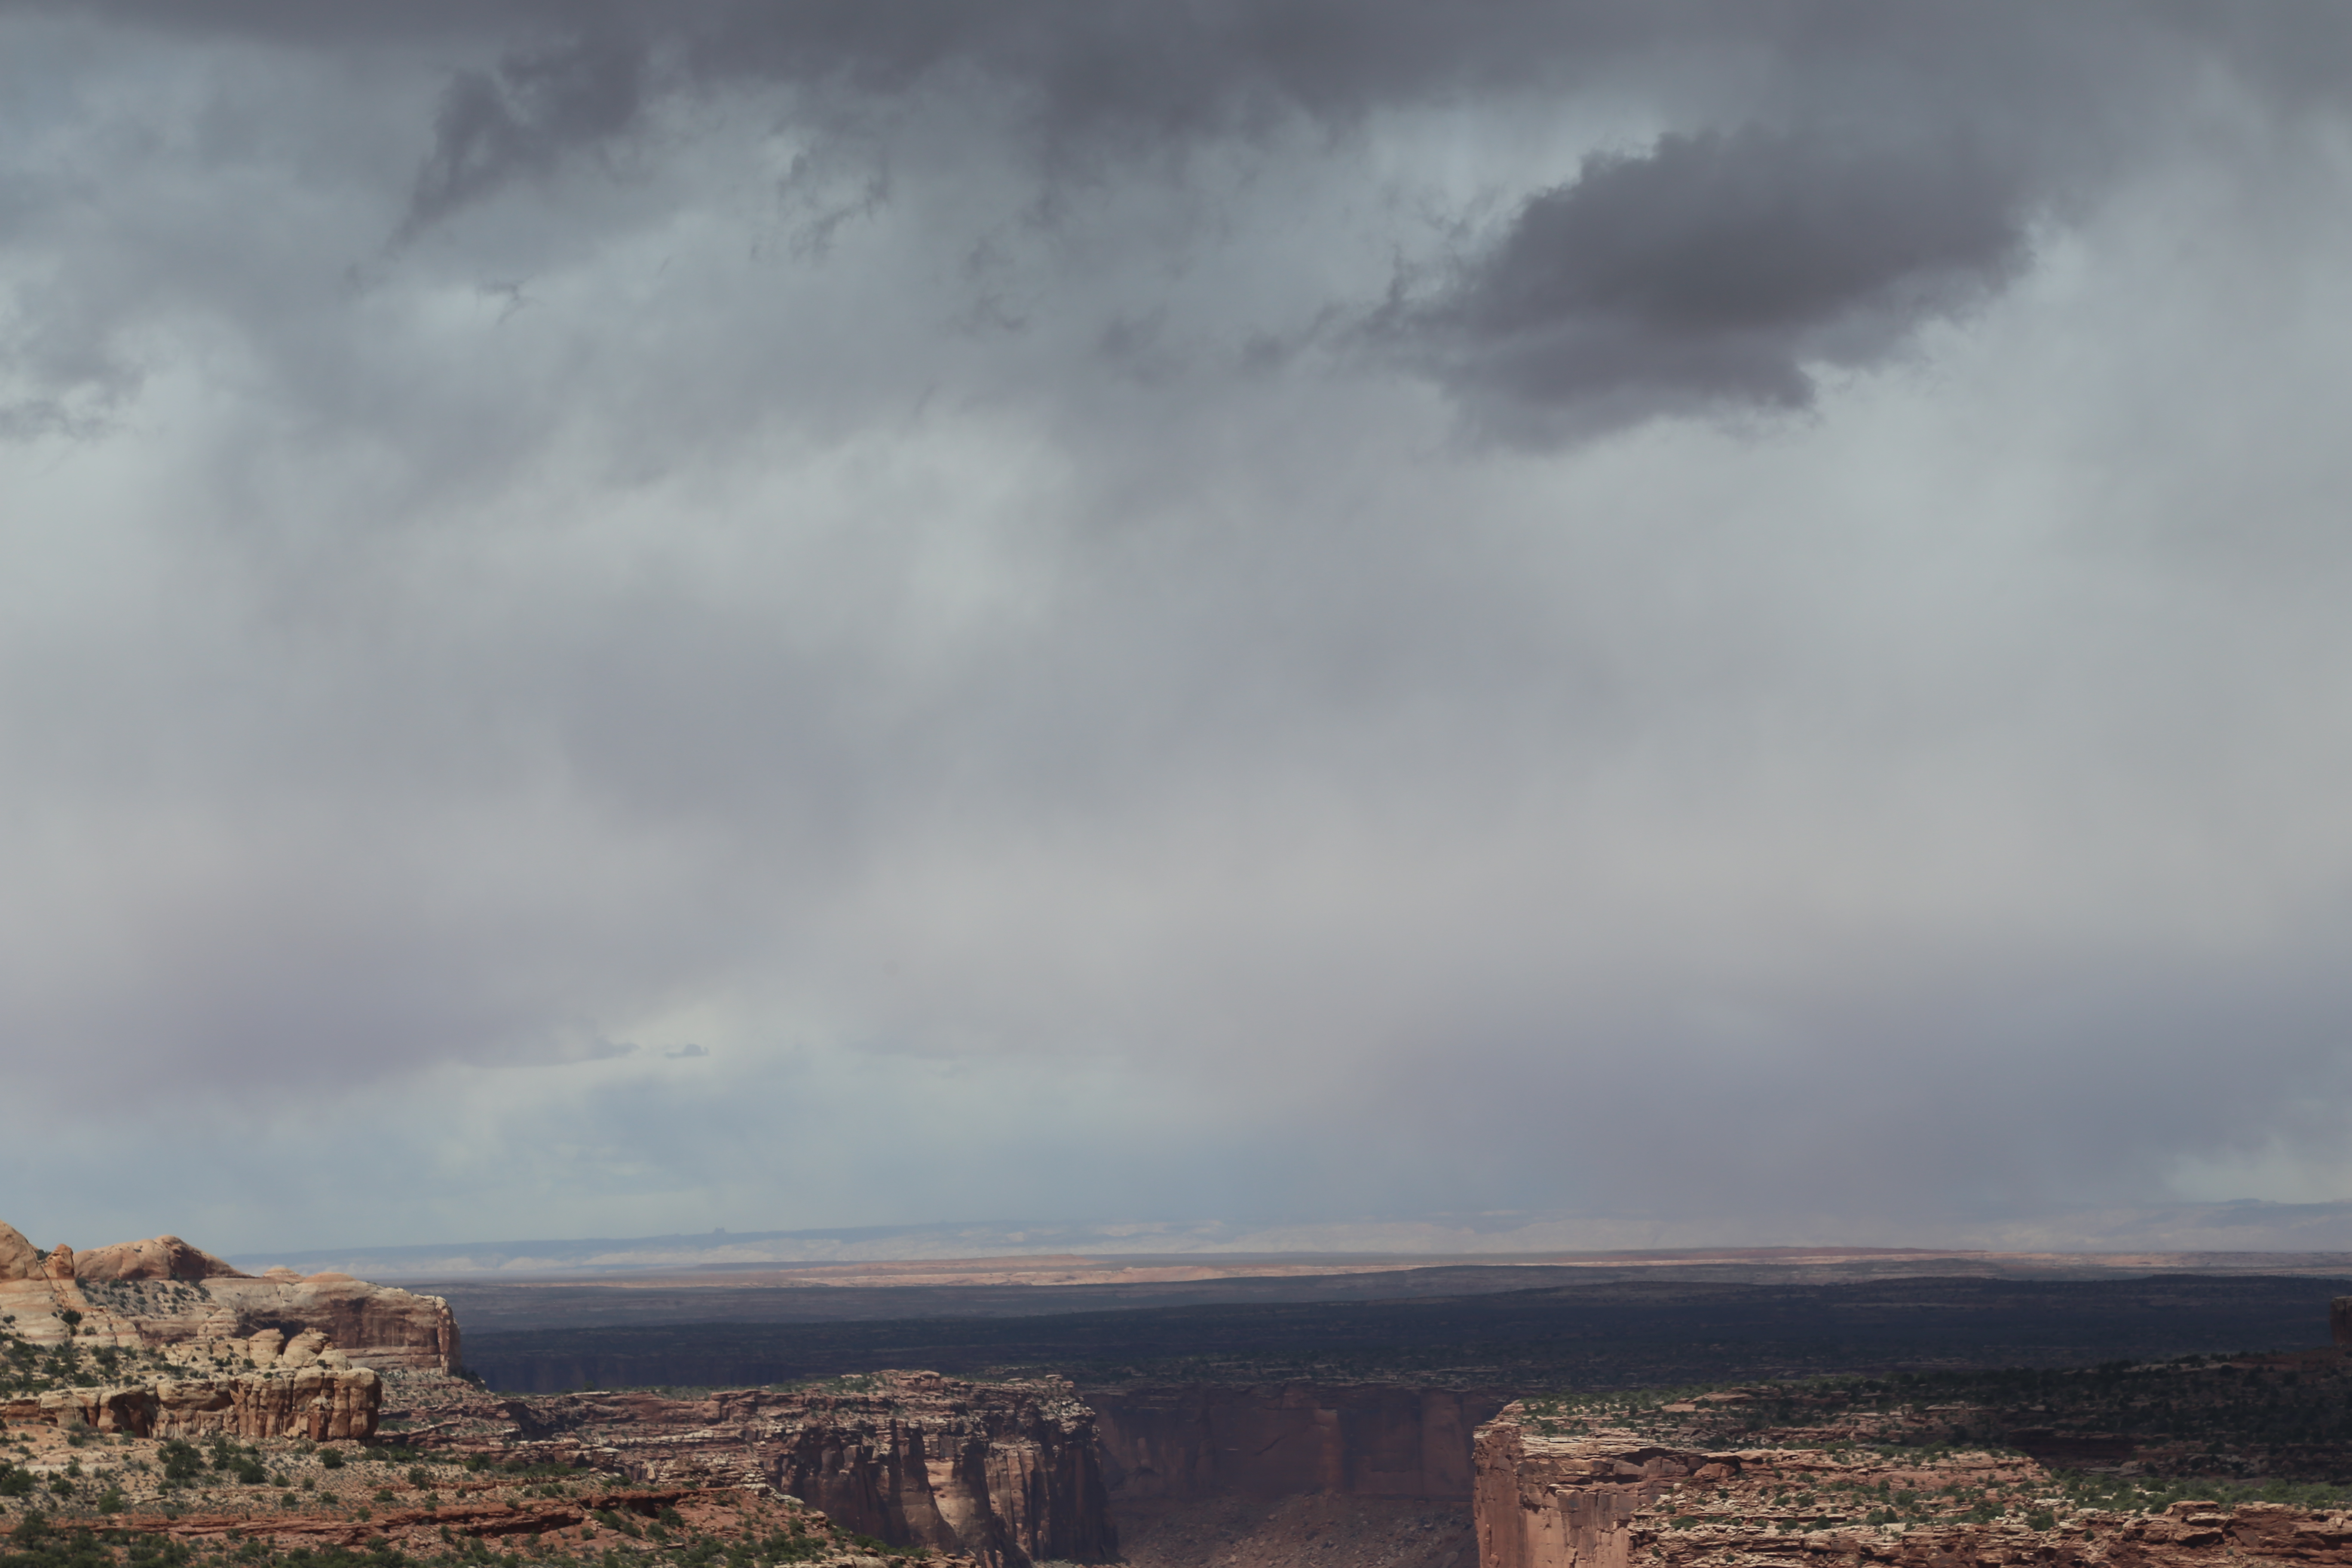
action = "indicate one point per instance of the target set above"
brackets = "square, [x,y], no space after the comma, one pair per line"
[1306,1431]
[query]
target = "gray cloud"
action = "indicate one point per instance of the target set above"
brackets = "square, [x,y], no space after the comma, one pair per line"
[1715,269]
[808,549]
[520,117]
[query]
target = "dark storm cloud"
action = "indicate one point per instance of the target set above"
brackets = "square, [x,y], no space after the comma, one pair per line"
[1715,269]
[522,117]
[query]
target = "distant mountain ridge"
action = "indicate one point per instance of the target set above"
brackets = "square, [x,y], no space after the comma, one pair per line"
[2248,1226]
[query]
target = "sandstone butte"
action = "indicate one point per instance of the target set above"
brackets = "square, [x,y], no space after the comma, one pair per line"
[201,1348]
[1598,1498]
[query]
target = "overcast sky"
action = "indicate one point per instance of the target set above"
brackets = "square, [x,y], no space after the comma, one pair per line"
[620,617]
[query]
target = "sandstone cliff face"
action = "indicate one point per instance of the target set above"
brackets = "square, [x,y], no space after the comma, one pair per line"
[264,1386]
[1008,1473]
[376,1325]
[1611,1500]
[165,1293]
[1191,1441]
[319,1402]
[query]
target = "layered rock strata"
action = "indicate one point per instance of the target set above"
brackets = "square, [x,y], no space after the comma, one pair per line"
[301,1387]
[1008,1473]
[165,1294]
[317,1403]
[1603,1499]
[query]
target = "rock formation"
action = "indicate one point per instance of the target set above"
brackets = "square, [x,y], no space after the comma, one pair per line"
[159,1338]
[159,1257]
[1006,1472]
[266,1386]
[1605,1498]
[19,1258]
[319,1402]
[164,1293]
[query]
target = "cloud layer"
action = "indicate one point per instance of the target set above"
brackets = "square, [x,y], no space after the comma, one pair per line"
[1716,269]
[1261,612]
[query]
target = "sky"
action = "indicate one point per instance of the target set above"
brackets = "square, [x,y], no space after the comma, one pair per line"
[622,617]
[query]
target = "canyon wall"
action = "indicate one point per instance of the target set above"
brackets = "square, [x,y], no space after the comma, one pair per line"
[164,1293]
[266,1386]
[1187,1441]
[317,1403]
[1006,1472]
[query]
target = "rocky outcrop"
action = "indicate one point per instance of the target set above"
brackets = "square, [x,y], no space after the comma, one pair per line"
[1007,1472]
[317,1402]
[320,1402]
[264,1386]
[376,1325]
[19,1258]
[165,1294]
[1601,1498]
[1199,1440]
[158,1258]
